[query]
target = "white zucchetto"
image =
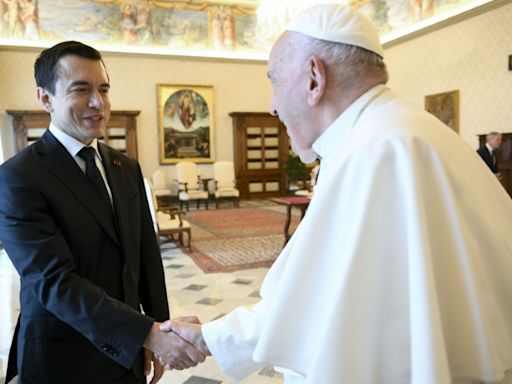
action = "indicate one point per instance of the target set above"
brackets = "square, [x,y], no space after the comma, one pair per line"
[339,24]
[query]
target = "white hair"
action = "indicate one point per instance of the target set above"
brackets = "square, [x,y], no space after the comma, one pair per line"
[342,61]
[492,135]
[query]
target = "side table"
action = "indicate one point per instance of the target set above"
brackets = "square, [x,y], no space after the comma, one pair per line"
[301,202]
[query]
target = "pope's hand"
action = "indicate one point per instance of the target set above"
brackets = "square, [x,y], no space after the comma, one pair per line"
[172,350]
[190,331]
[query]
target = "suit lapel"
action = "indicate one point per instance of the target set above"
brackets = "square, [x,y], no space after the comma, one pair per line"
[116,173]
[59,162]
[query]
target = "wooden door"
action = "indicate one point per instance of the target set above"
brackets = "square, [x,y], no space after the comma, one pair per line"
[260,149]
[121,132]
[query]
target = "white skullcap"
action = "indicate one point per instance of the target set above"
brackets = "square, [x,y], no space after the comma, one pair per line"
[339,24]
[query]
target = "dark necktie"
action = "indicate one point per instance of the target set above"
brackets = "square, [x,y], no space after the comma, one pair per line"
[93,173]
[493,153]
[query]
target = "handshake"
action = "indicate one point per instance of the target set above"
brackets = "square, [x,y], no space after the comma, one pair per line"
[174,344]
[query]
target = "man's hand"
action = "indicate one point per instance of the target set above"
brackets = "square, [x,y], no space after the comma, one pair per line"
[188,331]
[149,357]
[172,350]
[192,319]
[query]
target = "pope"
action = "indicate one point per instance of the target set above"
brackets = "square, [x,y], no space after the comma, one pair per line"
[400,272]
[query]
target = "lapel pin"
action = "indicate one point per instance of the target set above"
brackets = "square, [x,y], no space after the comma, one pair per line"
[117,163]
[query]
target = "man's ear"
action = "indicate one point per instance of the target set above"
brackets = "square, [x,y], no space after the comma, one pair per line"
[317,80]
[44,98]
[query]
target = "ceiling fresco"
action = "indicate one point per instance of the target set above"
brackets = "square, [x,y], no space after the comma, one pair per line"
[204,28]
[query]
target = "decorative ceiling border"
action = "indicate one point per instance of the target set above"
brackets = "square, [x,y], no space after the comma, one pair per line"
[197,29]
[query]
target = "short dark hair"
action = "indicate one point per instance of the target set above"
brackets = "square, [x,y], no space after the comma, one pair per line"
[46,69]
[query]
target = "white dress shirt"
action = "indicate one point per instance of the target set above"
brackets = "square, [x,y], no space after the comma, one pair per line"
[73,146]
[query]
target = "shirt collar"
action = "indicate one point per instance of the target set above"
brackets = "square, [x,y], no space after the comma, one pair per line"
[489,148]
[72,145]
[329,140]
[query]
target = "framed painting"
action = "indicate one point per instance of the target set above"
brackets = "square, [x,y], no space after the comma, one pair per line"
[185,119]
[445,106]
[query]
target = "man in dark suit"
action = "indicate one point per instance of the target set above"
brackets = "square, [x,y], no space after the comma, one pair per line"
[488,151]
[75,222]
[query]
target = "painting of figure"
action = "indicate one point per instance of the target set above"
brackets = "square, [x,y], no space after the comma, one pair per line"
[445,106]
[186,123]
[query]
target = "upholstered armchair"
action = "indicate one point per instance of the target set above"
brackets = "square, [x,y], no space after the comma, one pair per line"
[225,183]
[162,192]
[190,186]
[167,221]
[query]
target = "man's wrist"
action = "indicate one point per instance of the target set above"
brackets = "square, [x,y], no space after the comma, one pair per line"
[149,342]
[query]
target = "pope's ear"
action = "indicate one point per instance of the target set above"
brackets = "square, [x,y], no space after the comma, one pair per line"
[44,98]
[316,80]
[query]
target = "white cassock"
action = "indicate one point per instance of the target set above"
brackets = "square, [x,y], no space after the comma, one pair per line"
[401,270]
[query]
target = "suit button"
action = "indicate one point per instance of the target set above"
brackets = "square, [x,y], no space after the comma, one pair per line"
[108,348]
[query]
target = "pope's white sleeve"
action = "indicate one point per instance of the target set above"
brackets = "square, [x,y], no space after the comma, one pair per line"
[232,340]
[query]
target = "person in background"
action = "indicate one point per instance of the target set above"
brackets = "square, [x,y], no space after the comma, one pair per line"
[75,222]
[400,270]
[488,152]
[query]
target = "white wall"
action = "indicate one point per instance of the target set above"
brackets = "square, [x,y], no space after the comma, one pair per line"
[470,55]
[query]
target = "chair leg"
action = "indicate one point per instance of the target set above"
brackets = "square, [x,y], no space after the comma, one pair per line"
[186,204]
[206,203]
[189,238]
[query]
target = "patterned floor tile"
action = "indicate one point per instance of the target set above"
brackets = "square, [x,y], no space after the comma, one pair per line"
[201,380]
[196,287]
[269,372]
[209,301]
[218,316]
[174,266]
[184,275]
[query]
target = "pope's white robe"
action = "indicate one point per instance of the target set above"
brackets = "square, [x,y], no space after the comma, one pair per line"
[401,270]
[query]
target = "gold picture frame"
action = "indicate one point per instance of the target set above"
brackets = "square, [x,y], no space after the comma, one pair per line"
[185,120]
[445,106]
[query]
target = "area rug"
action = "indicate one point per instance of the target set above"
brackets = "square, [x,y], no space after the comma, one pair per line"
[225,240]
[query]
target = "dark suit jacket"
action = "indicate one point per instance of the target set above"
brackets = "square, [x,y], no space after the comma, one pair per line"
[84,276]
[487,157]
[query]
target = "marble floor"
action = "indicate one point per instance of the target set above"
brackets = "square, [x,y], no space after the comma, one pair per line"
[190,291]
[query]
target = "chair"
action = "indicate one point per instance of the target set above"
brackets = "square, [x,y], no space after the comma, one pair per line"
[190,184]
[162,193]
[167,221]
[225,183]
[310,184]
